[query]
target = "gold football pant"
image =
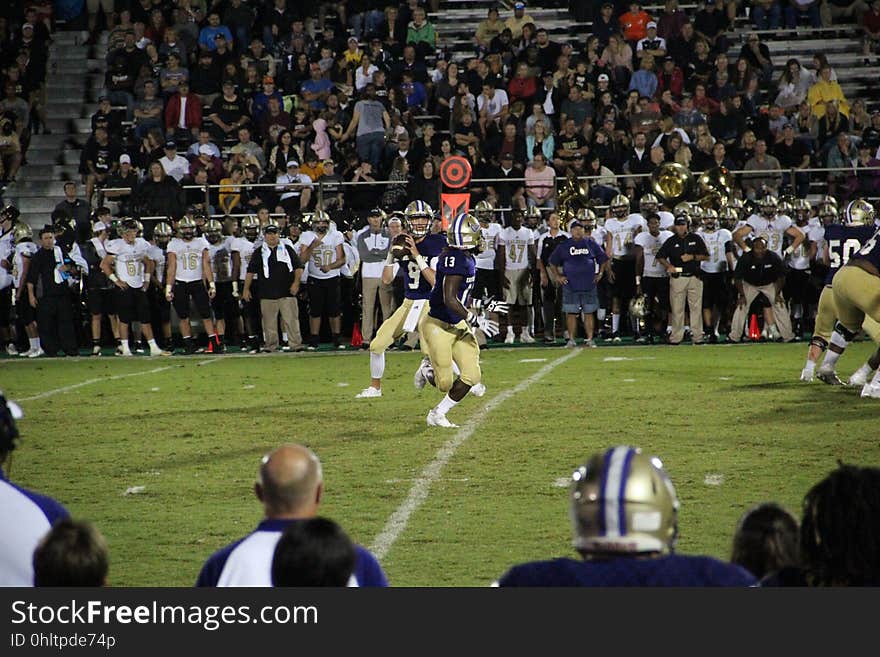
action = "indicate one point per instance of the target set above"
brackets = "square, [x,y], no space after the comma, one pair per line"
[447,343]
[857,299]
[392,328]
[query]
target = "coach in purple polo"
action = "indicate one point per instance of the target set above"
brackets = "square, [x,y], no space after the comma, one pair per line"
[578,264]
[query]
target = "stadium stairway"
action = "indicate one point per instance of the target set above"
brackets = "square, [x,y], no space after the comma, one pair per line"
[54,158]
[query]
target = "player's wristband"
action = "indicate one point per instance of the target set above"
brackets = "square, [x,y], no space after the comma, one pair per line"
[638,280]
[114,278]
[212,285]
[789,250]
[389,259]
[235,287]
[746,249]
[167,289]
[421,262]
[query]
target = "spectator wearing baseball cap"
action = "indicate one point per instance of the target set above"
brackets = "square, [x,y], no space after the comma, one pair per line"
[260,104]
[651,45]
[124,180]
[174,165]
[520,17]
[206,160]
[634,23]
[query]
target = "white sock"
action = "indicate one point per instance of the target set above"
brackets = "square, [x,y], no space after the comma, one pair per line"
[810,366]
[531,325]
[615,322]
[455,369]
[284,336]
[446,404]
[509,329]
[35,343]
[600,314]
[797,311]
[377,365]
[864,369]
[153,345]
[831,357]
[125,348]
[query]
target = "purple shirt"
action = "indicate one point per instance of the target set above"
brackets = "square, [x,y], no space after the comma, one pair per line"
[578,259]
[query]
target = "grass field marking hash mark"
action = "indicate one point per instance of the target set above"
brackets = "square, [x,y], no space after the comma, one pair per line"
[398,521]
[89,382]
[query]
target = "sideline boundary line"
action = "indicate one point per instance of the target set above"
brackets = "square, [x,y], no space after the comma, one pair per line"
[418,493]
[88,382]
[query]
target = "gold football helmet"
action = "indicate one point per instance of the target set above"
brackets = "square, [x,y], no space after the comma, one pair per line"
[22,233]
[484,211]
[187,227]
[418,217]
[587,217]
[162,232]
[213,231]
[638,306]
[858,212]
[767,205]
[250,226]
[828,213]
[649,204]
[464,233]
[623,502]
[619,206]
[727,217]
[802,211]
[710,219]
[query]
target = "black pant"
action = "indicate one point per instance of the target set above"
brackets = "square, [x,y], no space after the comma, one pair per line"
[487,284]
[55,325]
[551,297]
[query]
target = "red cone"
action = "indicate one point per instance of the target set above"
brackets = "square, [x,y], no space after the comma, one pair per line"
[356,338]
[754,331]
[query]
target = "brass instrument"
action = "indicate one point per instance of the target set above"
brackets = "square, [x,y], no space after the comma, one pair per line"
[672,183]
[714,187]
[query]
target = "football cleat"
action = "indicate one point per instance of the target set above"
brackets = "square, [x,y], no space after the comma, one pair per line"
[478,390]
[509,338]
[623,502]
[526,337]
[871,390]
[421,377]
[11,350]
[367,393]
[436,419]
[571,344]
[36,353]
[806,375]
[829,376]
[859,378]
[96,350]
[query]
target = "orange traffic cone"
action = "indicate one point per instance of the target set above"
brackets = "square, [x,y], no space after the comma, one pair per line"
[754,331]
[356,338]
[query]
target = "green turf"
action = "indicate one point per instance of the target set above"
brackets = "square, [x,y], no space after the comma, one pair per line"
[192,436]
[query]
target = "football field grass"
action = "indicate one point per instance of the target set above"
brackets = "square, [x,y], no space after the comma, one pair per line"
[162,453]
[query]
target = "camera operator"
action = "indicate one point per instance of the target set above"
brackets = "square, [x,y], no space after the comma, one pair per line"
[51,275]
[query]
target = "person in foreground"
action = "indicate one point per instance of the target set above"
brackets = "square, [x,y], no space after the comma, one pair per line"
[289,485]
[625,515]
[449,327]
[314,552]
[25,517]
[840,526]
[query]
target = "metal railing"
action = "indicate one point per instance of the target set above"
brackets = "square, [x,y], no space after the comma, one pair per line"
[338,187]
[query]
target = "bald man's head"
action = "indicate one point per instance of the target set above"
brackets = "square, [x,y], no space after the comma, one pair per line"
[290,482]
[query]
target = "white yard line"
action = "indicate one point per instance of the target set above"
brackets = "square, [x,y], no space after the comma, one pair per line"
[208,361]
[398,520]
[89,382]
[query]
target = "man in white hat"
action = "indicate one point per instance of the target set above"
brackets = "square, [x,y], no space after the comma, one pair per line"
[295,188]
[652,44]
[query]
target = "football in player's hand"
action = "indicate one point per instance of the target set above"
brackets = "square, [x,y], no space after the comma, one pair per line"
[399,248]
